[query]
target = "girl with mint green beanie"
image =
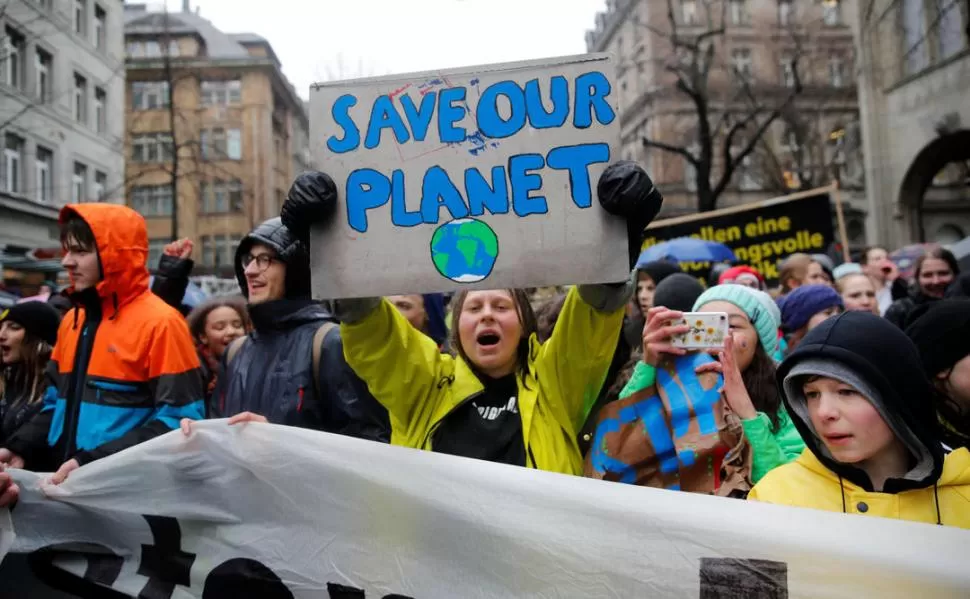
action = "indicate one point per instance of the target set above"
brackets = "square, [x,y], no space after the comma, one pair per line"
[747,364]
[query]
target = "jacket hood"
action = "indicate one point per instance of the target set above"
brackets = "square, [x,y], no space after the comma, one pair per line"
[122,240]
[883,357]
[285,314]
[288,247]
[955,473]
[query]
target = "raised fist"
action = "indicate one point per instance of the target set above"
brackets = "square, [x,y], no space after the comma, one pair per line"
[626,190]
[312,199]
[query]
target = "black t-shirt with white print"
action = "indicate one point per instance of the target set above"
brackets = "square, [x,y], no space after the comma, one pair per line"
[487,427]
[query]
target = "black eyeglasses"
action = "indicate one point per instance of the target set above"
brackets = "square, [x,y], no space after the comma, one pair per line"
[262,261]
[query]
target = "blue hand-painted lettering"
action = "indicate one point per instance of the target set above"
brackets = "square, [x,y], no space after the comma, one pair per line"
[515,185]
[650,412]
[400,216]
[366,189]
[592,90]
[482,195]
[384,115]
[449,114]
[524,182]
[419,118]
[490,122]
[351,134]
[438,190]
[539,118]
[576,159]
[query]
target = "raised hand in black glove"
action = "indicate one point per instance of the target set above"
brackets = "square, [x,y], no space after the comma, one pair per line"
[312,199]
[626,190]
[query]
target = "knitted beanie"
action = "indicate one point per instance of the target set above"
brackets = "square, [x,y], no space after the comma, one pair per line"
[843,270]
[941,331]
[807,301]
[658,270]
[758,305]
[679,291]
[38,319]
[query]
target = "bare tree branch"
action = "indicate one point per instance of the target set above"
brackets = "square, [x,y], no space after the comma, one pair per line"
[679,150]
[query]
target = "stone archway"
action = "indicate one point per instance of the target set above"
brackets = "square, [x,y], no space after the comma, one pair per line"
[948,148]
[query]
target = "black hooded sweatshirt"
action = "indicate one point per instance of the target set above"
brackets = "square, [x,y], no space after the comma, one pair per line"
[882,355]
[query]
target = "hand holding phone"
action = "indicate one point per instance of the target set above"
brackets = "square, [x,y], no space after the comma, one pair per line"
[705,330]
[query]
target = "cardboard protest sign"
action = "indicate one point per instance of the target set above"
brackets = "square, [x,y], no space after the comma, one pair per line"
[271,512]
[762,234]
[481,177]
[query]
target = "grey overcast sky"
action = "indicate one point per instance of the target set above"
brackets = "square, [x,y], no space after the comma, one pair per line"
[337,39]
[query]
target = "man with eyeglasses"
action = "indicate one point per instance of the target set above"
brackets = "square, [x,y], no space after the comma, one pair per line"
[290,370]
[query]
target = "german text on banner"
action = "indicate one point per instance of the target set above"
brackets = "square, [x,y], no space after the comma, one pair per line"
[480,177]
[271,512]
[762,234]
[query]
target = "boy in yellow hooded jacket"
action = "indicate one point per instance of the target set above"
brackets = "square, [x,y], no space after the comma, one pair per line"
[856,392]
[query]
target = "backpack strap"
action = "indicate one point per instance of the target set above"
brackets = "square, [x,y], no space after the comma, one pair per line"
[234,348]
[318,339]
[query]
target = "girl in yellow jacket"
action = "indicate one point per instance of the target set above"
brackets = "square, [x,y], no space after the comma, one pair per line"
[505,397]
[856,391]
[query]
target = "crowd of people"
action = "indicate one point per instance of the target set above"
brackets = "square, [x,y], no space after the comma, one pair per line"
[845,388]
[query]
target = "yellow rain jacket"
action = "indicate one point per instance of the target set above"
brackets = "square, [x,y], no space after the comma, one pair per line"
[807,483]
[419,385]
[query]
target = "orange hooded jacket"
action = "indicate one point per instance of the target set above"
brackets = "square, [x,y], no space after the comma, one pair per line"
[125,368]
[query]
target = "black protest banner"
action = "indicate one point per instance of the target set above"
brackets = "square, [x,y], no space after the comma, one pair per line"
[762,234]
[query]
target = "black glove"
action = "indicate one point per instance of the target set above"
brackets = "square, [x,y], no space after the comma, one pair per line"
[312,199]
[626,190]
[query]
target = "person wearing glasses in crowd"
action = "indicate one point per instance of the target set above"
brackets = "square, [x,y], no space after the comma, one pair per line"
[290,368]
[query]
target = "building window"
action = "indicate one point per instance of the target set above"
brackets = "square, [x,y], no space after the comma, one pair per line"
[951,28]
[13,163]
[741,63]
[786,67]
[100,110]
[207,251]
[152,200]
[152,49]
[915,56]
[218,251]
[13,58]
[151,148]
[786,12]
[80,99]
[100,185]
[135,50]
[173,48]
[79,183]
[80,17]
[43,63]
[43,167]
[836,71]
[156,247]
[739,12]
[221,93]
[234,144]
[688,12]
[99,26]
[221,144]
[149,95]
[832,12]
[219,197]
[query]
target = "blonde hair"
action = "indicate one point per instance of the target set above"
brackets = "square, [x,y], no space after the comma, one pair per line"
[840,284]
[795,267]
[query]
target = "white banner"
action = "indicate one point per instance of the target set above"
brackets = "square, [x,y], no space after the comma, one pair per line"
[267,511]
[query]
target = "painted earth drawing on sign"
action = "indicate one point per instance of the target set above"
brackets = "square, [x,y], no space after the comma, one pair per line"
[464,250]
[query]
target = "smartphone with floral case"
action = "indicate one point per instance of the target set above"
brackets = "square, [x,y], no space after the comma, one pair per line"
[707,330]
